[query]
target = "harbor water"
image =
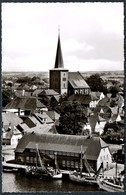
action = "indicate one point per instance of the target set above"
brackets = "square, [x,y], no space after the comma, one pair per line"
[14,182]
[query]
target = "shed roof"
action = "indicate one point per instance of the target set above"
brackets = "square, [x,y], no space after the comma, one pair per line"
[53,147]
[64,141]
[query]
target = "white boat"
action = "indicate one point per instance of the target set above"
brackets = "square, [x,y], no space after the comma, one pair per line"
[54,173]
[111,185]
[86,178]
[115,184]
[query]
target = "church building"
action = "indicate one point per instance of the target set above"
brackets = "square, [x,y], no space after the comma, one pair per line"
[63,81]
[59,75]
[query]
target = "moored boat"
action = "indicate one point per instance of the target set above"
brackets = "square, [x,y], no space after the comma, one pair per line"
[87,178]
[111,185]
[43,171]
[115,184]
[90,180]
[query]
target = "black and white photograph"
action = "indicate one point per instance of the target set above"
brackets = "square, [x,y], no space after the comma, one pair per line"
[62,91]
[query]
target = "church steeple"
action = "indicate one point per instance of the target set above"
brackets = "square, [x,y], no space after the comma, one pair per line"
[59,58]
[59,75]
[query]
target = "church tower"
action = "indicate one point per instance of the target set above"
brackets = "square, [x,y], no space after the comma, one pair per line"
[59,75]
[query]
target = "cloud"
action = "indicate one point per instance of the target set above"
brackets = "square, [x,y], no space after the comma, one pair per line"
[72,45]
[88,35]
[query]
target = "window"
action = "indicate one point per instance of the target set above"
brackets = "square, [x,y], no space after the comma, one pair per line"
[81,91]
[31,159]
[20,159]
[76,92]
[76,165]
[27,159]
[75,154]
[72,164]
[34,159]
[68,163]
[68,153]
[64,79]
[86,91]
[64,85]
[63,163]
[59,153]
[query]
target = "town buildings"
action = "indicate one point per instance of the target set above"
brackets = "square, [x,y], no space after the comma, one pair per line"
[67,147]
[37,122]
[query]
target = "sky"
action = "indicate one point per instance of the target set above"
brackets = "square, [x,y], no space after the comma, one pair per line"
[92,36]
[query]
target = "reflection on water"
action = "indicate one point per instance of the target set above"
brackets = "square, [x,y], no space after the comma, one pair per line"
[14,182]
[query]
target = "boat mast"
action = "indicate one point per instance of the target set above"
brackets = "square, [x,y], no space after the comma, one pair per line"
[116,167]
[81,164]
[40,160]
[36,158]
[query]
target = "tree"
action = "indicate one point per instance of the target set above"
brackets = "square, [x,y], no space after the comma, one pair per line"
[114,90]
[112,133]
[72,118]
[25,79]
[7,96]
[96,83]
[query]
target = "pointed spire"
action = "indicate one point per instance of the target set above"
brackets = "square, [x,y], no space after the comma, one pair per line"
[59,58]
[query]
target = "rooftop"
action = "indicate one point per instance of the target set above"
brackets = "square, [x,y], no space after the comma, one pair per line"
[77,80]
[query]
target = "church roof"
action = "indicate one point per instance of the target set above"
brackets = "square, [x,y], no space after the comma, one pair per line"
[76,80]
[59,58]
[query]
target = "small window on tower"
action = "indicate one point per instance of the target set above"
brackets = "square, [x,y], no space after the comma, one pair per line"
[64,79]
[64,85]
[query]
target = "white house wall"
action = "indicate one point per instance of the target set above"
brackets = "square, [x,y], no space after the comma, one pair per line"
[100,127]
[15,139]
[105,157]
